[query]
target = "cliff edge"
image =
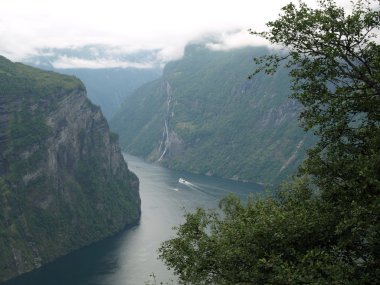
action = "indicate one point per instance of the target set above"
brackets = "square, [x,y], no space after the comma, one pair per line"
[63,180]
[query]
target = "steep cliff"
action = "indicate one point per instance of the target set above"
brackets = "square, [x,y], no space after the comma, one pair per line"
[63,180]
[204,116]
[108,87]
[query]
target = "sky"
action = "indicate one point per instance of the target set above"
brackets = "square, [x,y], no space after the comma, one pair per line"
[123,26]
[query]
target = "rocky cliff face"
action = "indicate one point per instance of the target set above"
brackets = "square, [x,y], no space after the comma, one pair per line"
[63,180]
[203,115]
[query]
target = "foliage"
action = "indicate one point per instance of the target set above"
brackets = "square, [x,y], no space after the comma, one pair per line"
[281,240]
[154,281]
[324,228]
[336,76]
[17,79]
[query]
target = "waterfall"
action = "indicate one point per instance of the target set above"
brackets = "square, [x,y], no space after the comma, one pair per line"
[165,141]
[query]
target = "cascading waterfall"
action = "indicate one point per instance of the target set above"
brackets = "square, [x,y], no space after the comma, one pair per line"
[165,141]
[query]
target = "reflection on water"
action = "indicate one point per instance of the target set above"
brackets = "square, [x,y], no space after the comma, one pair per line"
[129,257]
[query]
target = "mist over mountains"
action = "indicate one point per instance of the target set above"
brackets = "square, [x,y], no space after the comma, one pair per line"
[95,56]
[109,75]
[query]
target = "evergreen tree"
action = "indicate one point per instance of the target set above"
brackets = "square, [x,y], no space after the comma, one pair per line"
[323,227]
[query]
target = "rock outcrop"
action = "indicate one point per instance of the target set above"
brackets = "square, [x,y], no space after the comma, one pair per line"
[63,180]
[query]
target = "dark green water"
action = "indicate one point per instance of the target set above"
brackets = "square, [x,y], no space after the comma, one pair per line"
[130,257]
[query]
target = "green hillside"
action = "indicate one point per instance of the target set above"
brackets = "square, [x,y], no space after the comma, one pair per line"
[218,122]
[63,181]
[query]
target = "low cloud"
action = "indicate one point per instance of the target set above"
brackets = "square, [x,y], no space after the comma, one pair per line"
[126,27]
[233,40]
[65,62]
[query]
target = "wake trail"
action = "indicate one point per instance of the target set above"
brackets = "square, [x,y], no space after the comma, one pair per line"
[199,189]
[216,188]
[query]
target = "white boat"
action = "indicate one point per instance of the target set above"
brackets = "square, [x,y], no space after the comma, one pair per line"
[183,181]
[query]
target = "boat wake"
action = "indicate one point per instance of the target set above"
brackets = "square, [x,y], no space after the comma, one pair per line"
[183,181]
[194,186]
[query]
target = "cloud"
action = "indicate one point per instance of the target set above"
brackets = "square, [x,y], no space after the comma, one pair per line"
[64,62]
[232,40]
[27,26]
[166,26]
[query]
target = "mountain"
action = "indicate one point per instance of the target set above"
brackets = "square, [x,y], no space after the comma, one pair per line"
[63,180]
[108,87]
[204,116]
[96,66]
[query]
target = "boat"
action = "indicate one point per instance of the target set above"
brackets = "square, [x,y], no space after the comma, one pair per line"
[183,181]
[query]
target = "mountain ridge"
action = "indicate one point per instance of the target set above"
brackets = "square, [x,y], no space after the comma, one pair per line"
[63,180]
[204,116]
[106,85]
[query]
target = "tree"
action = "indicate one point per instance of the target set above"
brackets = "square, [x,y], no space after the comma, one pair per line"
[335,67]
[285,239]
[324,228]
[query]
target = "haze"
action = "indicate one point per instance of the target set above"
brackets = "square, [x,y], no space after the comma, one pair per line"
[29,27]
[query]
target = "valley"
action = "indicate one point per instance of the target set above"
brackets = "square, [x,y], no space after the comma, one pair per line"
[204,116]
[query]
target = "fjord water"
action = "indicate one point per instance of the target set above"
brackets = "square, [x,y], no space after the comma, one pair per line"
[131,256]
